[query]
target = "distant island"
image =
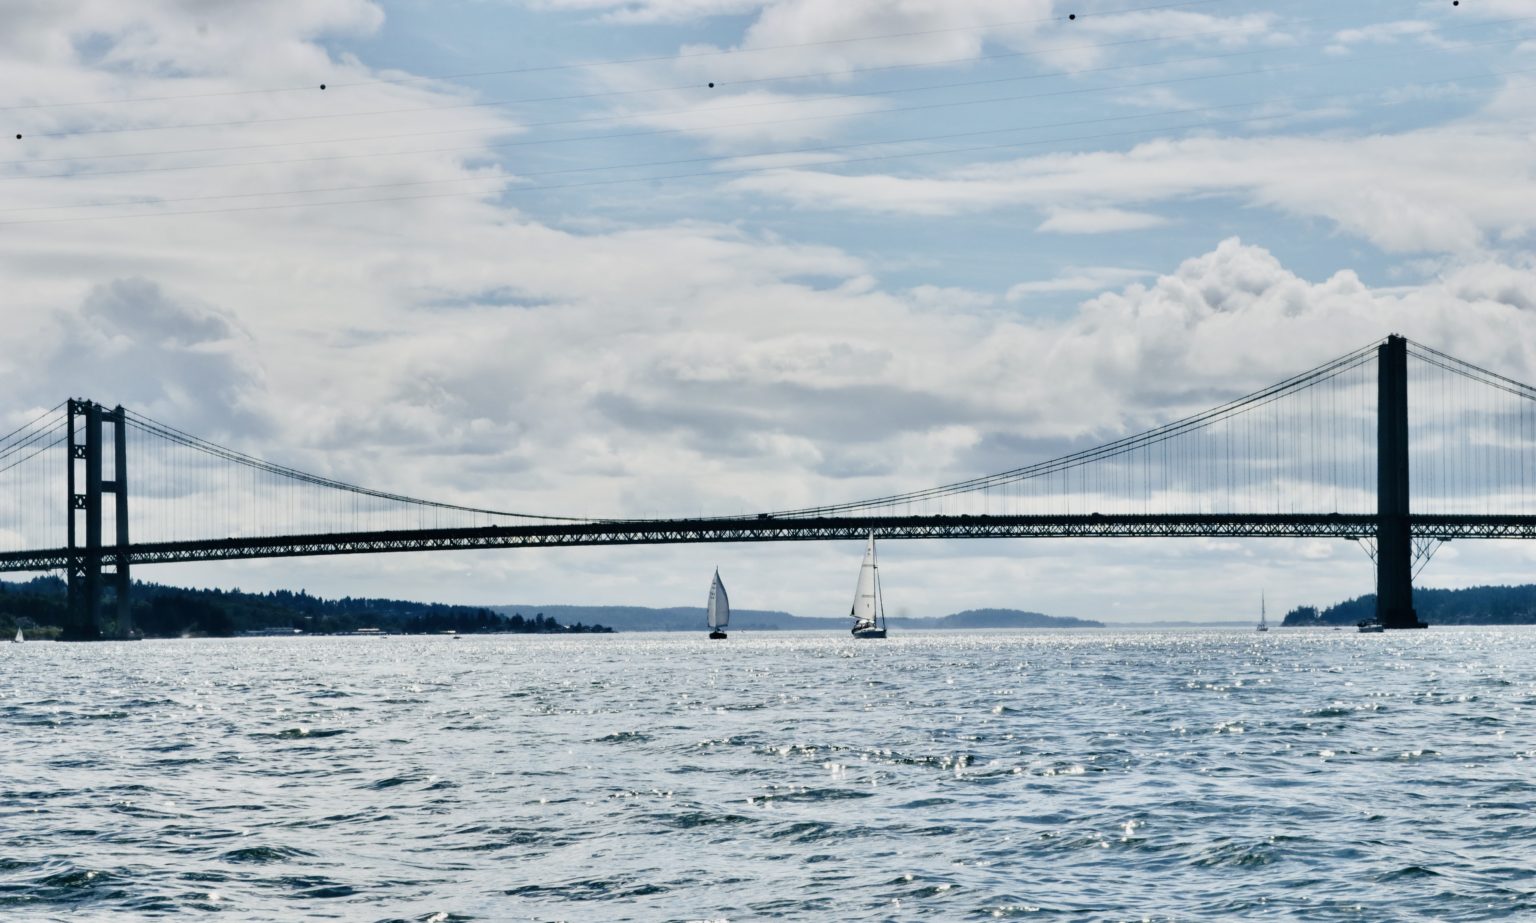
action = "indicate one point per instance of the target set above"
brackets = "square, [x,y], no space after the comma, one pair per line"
[38,607]
[691,618]
[1479,605]
[999,618]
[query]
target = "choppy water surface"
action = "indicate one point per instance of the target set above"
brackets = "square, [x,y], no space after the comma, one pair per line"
[1084,776]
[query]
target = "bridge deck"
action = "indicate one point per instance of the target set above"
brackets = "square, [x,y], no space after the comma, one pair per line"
[777,529]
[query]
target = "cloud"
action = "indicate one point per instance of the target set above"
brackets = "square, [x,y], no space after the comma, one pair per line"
[734,121]
[1219,317]
[816,36]
[175,41]
[1442,189]
[1098,221]
[791,395]
[653,11]
[138,308]
[1086,279]
[815,45]
[1500,9]
[1385,33]
[173,358]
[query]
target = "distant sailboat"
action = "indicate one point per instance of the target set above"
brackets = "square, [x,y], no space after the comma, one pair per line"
[868,612]
[719,608]
[1263,625]
[18,639]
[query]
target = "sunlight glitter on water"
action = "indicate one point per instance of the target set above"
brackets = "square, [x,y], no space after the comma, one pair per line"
[1082,776]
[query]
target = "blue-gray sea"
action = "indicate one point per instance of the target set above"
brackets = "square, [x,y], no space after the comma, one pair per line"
[1092,775]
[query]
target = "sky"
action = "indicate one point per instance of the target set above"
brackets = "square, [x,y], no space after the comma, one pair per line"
[693,257]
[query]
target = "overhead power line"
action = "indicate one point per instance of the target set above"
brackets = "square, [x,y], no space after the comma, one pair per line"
[484,104]
[613,62]
[507,145]
[505,178]
[1166,62]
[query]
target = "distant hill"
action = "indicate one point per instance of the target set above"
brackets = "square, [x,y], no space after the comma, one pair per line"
[691,618]
[1006,618]
[1479,605]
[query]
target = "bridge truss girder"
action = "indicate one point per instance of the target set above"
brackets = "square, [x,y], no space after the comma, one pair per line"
[777,529]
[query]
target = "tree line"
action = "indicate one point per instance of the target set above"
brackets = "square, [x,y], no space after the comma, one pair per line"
[1479,605]
[158,611]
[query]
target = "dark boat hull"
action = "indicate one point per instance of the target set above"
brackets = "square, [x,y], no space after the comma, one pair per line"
[869,633]
[716,635]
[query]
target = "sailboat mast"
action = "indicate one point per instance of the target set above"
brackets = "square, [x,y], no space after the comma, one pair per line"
[879,598]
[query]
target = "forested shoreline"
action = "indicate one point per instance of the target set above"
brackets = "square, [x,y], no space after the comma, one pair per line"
[1479,605]
[38,607]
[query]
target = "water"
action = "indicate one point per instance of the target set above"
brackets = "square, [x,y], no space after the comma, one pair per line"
[1083,776]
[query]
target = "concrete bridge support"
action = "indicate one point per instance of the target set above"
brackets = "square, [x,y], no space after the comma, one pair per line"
[84,578]
[1394,545]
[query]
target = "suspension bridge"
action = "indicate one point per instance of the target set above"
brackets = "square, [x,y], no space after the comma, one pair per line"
[1396,446]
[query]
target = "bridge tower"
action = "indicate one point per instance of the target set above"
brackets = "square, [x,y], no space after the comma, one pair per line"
[84,578]
[1394,542]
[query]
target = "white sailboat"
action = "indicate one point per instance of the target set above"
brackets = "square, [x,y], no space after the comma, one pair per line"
[1263,625]
[868,612]
[18,639]
[719,608]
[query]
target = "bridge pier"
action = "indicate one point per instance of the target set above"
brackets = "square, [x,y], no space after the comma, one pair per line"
[1394,543]
[84,577]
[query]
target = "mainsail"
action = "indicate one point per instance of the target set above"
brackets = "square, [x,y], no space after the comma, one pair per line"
[719,604]
[865,604]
